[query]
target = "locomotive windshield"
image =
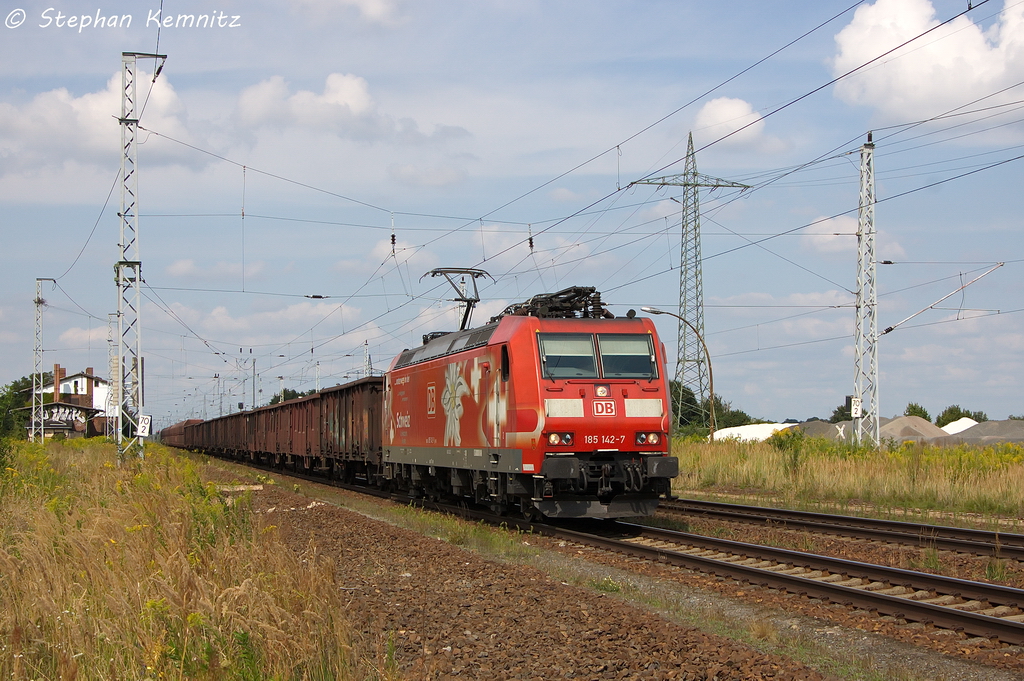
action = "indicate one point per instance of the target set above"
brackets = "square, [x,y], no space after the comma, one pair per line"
[627,356]
[568,355]
[572,355]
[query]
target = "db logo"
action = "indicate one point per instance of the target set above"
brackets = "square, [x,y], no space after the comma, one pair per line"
[604,408]
[431,400]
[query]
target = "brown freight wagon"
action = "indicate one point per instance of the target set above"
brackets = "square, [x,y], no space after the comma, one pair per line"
[335,432]
[174,436]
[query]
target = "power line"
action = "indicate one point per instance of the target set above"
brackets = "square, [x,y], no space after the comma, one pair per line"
[822,87]
[103,209]
[267,173]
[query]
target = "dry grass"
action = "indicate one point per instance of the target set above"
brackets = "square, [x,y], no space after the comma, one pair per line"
[962,479]
[145,571]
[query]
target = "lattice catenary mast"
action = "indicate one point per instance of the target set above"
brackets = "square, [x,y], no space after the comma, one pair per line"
[127,382]
[864,407]
[691,362]
[110,407]
[37,431]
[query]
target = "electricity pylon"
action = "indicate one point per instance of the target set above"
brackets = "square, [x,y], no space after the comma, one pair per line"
[691,361]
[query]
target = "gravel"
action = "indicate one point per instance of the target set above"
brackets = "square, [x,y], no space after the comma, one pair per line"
[447,612]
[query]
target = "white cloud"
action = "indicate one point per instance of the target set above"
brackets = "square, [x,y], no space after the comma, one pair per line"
[832,235]
[267,325]
[949,67]
[270,102]
[345,108]
[182,268]
[79,336]
[888,248]
[56,129]
[662,209]
[727,115]
[838,235]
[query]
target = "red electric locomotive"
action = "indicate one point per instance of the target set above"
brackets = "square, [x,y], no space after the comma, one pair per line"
[555,408]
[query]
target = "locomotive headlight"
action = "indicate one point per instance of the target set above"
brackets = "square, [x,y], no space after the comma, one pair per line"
[648,438]
[602,390]
[560,439]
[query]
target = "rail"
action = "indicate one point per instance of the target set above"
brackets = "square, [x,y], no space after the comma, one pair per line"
[1006,545]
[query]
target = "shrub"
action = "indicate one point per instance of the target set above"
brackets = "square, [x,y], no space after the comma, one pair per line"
[954,412]
[915,409]
[789,441]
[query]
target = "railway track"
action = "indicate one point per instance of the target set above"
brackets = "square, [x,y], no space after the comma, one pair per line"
[1002,545]
[978,609]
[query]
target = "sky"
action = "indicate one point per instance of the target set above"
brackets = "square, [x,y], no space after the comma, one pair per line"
[283,144]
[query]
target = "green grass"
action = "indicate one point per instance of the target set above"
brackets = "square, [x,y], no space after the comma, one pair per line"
[145,570]
[815,472]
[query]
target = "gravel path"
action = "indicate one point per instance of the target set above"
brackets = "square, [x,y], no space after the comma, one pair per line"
[448,613]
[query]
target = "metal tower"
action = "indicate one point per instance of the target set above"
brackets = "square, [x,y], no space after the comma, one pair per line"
[127,381]
[691,362]
[110,407]
[37,427]
[864,407]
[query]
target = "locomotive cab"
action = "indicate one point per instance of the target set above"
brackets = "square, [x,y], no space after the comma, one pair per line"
[603,450]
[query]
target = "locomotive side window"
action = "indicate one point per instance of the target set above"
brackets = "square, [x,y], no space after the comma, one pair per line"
[567,355]
[505,364]
[627,356]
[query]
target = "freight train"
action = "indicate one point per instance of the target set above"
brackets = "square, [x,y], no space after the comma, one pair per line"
[554,408]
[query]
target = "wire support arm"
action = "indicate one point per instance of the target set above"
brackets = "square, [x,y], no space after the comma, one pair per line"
[945,297]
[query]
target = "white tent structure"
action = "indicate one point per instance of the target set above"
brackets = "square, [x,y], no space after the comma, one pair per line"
[755,432]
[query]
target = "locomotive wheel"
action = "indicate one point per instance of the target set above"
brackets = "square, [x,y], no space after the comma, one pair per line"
[529,512]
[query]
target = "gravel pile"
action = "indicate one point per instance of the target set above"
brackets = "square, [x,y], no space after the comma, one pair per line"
[916,429]
[833,431]
[841,432]
[910,428]
[448,613]
[987,432]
